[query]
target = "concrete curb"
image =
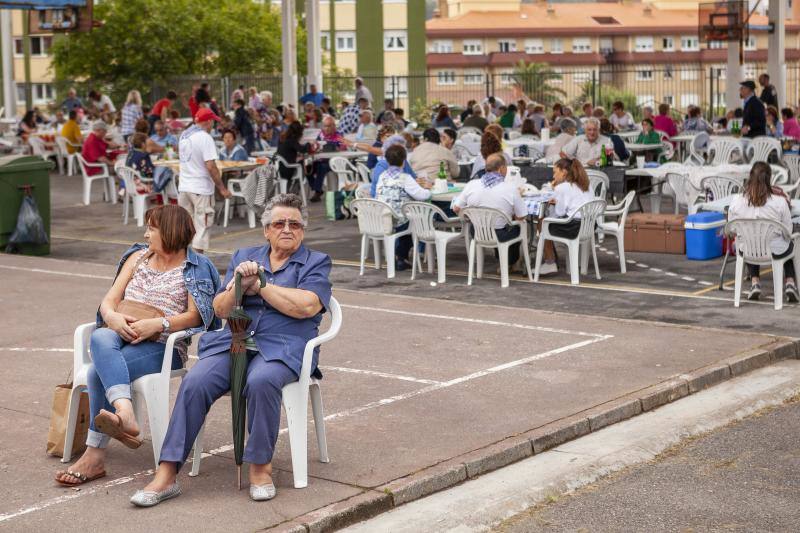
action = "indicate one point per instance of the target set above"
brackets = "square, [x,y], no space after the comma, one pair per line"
[515,448]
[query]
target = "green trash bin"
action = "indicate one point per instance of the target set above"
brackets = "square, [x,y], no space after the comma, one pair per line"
[16,173]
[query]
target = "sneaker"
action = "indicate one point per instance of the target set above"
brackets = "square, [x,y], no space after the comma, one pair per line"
[548,268]
[791,293]
[755,292]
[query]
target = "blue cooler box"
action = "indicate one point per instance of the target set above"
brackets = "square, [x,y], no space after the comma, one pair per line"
[704,235]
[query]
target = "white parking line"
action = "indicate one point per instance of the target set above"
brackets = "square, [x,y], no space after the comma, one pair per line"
[19,349]
[58,272]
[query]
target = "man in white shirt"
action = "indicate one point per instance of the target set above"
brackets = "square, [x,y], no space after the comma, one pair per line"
[491,190]
[367,131]
[621,119]
[586,148]
[199,175]
[362,91]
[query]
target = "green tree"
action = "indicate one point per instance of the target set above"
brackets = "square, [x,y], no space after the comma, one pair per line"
[535,81]
[605,95]
[143,41]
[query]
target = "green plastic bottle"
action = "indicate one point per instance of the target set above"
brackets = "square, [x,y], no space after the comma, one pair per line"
[442,175]
[603,156]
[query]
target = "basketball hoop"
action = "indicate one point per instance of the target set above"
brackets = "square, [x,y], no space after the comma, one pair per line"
[723,21]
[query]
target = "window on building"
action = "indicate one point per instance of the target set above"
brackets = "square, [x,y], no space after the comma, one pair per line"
[719,72]
[325,40]
[442,46]
[668,44]
[345,41]
[560,79]
[473,47]
[581,76]
[534,46]
[644,74]
[507,45]
[506,78]
[690,43]
[643,44]
[668,75]
[689,74]
[689,99]
[605,20]
[396,87]
[606,45]
[669,99]
[716,45]
[749,72]
[41,93]
[556,46]
[751,43]
[20,92]
[645,99]
[40,46]
[395,40]
[581,45]
[473,77]
[446,77]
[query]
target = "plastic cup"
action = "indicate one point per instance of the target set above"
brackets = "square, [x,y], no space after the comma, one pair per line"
[545,134]
[639,161]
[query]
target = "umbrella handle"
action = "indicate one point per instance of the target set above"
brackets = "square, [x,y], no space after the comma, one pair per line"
[238,284]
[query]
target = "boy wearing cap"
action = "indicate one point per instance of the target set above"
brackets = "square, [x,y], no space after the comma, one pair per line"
[199,175]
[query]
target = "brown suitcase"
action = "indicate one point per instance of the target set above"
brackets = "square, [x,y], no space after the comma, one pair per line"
[657,233]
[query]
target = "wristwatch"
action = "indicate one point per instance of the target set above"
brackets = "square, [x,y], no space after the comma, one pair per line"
[165,325]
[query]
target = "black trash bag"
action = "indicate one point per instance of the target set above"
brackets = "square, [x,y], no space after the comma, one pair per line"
[30,226]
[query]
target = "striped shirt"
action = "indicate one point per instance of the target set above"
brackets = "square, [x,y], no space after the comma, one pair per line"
[130,114]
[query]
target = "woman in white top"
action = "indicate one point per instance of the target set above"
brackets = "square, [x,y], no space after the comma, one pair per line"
[571,188]
[760,200]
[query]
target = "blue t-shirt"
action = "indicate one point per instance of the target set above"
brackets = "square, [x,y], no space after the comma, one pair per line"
[316,99]
[168,139]
[279,337]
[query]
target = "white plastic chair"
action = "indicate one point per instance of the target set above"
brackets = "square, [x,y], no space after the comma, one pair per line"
[598,183]
[683,191]
[64,156]
[617,228]
[697,149]
[723,151]
[298,178]
[720,187]
[132,196]
[483,221]
[235,185]
[105,175]
[589,212]
[295,404]
[780,175]
[753,239]
[760,149]
[364,173]
[468,130]
[463,152]
[420,216]
[39,148]
[376,222]
[345,172]
[793,165]
[150,393]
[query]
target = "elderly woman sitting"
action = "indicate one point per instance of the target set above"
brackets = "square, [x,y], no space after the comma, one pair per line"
[286,314]
[167,275]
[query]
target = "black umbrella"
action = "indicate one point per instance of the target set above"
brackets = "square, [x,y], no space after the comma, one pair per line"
[239,322]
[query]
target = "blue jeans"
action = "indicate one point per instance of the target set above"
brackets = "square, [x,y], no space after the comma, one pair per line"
[117,364]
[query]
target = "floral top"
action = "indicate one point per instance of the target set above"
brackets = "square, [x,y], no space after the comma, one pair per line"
[165,291]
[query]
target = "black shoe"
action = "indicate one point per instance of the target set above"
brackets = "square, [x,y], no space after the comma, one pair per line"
[791,293]
[401,265]
[755,292]
[315,197]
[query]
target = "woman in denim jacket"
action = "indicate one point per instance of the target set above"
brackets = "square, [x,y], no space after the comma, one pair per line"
[168,275]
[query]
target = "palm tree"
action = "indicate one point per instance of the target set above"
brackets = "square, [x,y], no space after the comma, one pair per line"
[534,80]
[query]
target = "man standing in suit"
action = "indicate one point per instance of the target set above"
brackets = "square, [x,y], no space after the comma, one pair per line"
[754,120]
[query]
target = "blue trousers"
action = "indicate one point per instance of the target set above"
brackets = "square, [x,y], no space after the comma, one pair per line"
[321,169]
[208,380]
[117,364]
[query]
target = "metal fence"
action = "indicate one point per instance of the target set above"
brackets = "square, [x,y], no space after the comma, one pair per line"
[676,85]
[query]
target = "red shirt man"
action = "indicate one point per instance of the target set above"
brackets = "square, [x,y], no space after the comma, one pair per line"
[95,148]
[162,108]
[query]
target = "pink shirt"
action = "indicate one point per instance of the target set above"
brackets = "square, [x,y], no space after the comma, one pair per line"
[791,128]
[666,124]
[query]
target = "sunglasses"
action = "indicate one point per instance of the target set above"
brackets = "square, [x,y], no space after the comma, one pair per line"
[294,225]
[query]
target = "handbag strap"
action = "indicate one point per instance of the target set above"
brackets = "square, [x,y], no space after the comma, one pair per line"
[145,256]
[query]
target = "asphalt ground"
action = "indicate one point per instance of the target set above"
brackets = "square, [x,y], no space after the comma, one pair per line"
[418,374]
[739,478]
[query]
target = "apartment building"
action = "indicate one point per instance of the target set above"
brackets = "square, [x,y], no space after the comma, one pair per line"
[40,73]
[651,51]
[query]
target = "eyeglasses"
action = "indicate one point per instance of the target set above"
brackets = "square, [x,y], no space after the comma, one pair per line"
[294,225]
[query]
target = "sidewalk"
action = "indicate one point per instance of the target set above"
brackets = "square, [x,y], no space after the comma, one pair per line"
[419,395]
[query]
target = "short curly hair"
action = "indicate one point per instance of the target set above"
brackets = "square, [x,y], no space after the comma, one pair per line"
[284,200]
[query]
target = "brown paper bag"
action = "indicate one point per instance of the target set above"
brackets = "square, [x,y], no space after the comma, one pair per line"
[58,422]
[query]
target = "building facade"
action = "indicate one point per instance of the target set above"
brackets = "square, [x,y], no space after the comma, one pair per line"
[650,51]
